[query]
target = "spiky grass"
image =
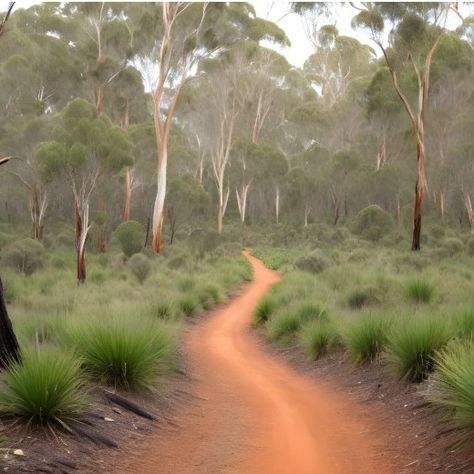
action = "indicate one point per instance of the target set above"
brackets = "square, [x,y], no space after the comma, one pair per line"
[413,345]
[187,305]
[420,291]
[263,311]
[453,383]
[283,327]
[310,311]
[317,337]
[46,388]
[366,337]
[464,324]
[121,354]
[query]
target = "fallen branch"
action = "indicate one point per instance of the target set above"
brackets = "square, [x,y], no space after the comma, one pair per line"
[128,405]
[94,436]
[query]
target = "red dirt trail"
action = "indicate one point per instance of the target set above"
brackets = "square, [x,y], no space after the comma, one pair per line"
[254,414]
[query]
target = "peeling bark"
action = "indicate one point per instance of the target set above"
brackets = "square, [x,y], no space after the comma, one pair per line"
[127,195]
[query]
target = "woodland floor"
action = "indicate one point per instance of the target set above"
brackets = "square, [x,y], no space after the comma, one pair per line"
[243,406]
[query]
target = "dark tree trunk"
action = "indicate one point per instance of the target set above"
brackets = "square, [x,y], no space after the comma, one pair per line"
[9,349]
[416,244]
[172,221]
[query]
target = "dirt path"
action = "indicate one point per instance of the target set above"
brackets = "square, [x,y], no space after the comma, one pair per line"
[254,414]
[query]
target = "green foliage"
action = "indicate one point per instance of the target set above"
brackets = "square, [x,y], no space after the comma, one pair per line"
[372,223]
[317,337]
[283,326]
[366,337]
[315,262]
[263,311]
[310,311]
[131,236]
[420,291]
[46,388]
[413,345]
[187,305]
[25,256]
[140,266]
[463,324]
[453,383]
[121,354]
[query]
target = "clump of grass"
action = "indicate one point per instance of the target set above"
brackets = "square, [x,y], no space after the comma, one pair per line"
[412,347]
[263,310]
[310,311]
[187,305]
[366,337]
[317,337]
[46,388]
[163,310]
[464,324]
[283,326]
[213,293]
[420,291]
[362,297]
[186,284]
[121,354]
[453,383]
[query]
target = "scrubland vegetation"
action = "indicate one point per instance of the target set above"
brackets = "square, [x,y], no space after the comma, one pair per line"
[118,330]
[376,303]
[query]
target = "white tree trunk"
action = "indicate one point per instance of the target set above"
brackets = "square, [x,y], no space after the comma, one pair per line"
[277,204]
[242,201]
[158,210]
[470,210]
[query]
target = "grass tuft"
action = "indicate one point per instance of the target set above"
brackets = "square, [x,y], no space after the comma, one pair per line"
[310,311]
[317,337]
[420,291]
[453,384]
[187,305]
[121,354]
[45,389]
[283,326]
[263,311]
[412,347]
[366,338]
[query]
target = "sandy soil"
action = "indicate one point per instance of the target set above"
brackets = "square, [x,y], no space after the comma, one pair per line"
[254,413]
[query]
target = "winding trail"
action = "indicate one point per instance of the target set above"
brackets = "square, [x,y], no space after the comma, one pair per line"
[255,414]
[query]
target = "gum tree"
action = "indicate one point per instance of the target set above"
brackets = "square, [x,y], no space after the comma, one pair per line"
[85,146]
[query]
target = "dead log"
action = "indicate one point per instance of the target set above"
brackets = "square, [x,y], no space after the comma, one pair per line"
[128,405]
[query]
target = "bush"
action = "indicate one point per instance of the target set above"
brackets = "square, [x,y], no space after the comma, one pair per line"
[358,255]
[315,262]
[310,311]
[46,388]
[140,266]
[130,236]
[420,291]
[372,223]
[453,384]
[283,326]
[187,305]
[204,241]
[263,310]
[363,297]
[464,324]
[412,347]
[25,256]
[317,337]
[452,246]
[366,337]
[163,310]
[122,354]
[470,246]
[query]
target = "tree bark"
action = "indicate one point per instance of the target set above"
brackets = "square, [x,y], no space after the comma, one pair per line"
[470,210]
[160,197]
[277,205]
[9,348]
[127,196]
[242,201]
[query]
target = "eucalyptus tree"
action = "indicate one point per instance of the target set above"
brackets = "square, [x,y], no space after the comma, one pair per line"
[84,145]
[414,32]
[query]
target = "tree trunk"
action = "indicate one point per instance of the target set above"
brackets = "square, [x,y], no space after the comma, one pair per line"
[38,205]
[99,98]
[277,205]
[81,265]
[306,215]
[127,196]
[9,349]
[442,204]
[419,189]
[242,201]
[160,198]
[172,221]
[101,229]
[147,233]
[470,210]
[221,208]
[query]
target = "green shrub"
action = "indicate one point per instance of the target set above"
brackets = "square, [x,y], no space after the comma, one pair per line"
[122,354]
[130,236]
[464,324]
[315,262]
[283,326]
[453,383]
[372,223]
[470,246]
[263,310]
[46,388]
[317,337]
[358,255]
[420,291]
[24,256]
[140,266]
[187,305]
[452,246]
[203,241]
[366,337]
[412,347]
[310,311]
[186,284]
[213,293]
[363,297]
[163,310]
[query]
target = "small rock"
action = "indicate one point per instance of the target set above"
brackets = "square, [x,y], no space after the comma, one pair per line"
[106,418]
[18,452]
